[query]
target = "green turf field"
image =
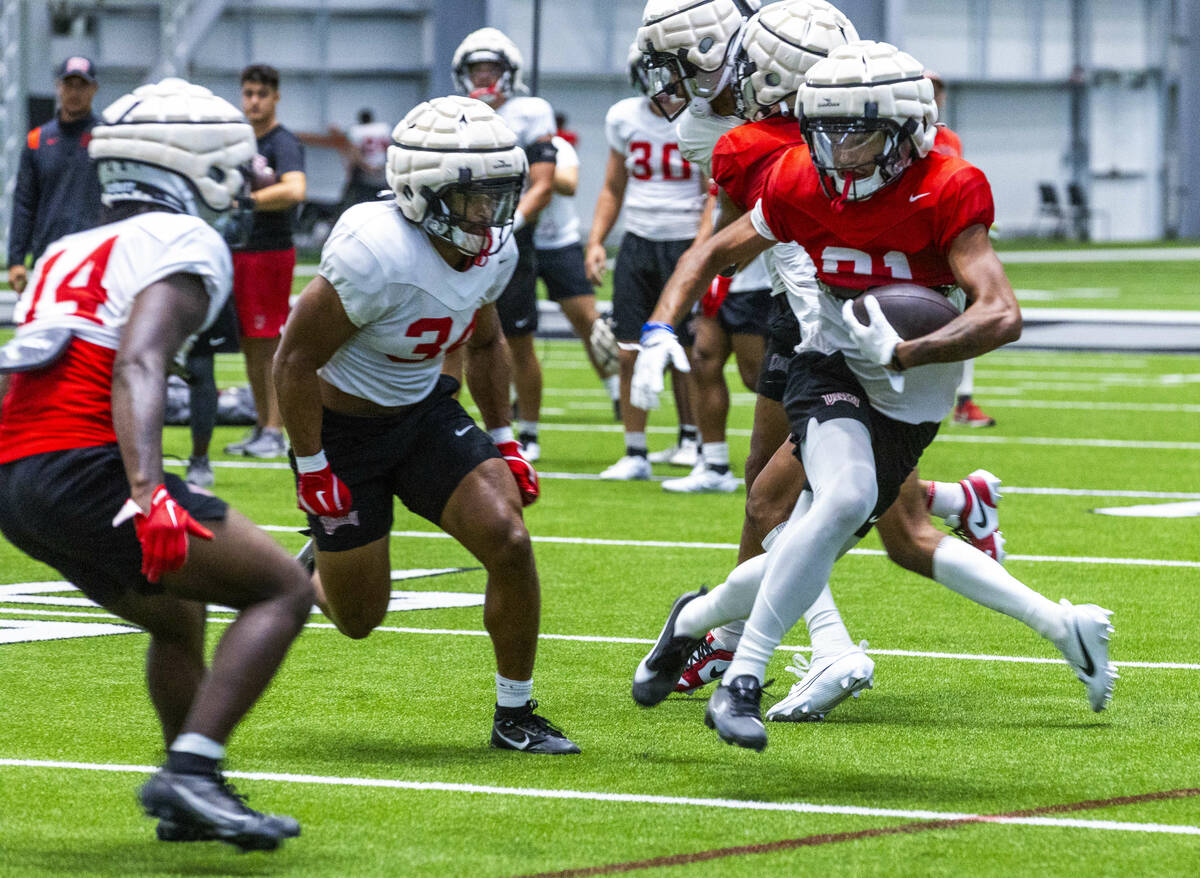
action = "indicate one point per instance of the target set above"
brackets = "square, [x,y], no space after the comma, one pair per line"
[975,753]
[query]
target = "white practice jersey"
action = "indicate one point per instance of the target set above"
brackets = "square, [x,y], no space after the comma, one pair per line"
[410,307]
[530,119]
[558,224]
[88,281]
[664,192]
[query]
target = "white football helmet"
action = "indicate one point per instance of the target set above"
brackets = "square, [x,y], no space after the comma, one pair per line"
[457,171]
[178,146]
[489,44]
[689,45]
[777,46]
[867,112]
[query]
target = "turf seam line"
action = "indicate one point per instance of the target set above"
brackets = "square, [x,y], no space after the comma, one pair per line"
[1010,817]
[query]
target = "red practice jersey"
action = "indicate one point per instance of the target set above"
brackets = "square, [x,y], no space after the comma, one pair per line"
[903,232]
[947,142]
[744,156]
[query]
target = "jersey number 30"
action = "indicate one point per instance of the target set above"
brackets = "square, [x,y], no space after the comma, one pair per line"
[82,291]
[642,152]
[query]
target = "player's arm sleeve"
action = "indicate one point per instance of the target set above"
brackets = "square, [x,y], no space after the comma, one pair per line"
[353,270]
[24,204]
[967,201]
[541,151]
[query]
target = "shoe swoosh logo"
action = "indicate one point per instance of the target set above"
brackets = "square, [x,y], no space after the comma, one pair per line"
[1089,667]
[983,519]
[462,432]
[206,808]
[917,197]
[516,745]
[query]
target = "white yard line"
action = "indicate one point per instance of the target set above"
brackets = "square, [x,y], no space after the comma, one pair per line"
[631,798]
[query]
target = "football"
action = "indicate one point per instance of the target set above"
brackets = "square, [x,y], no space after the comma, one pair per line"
[913,310]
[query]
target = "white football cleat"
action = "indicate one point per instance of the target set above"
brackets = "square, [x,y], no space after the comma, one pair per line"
[979,521]
[1086,650]
[703,480]
[686,453]
[630,468]
[823,687]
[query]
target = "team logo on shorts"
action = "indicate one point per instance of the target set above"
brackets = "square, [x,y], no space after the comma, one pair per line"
[840,396]
[332,523]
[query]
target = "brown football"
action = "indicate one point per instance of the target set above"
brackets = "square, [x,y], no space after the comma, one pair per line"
[913,310]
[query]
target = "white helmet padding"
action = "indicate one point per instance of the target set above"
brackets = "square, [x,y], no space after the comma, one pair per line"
[488,44]
[777,47]
[450,152]
[691,42]
[866,99]
[176,145]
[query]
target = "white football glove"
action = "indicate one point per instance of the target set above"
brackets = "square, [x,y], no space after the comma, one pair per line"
[659,347]
[877,340]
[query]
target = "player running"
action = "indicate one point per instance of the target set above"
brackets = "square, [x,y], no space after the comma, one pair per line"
[371,416]
[82,486]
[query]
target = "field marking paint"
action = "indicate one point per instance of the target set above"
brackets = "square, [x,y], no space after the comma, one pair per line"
[1155,510]
[1026,818]
[1030,818]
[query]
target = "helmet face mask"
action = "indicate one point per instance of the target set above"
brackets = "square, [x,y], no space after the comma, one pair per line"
[488,46]
[856,157]
[474,217]
[667,77]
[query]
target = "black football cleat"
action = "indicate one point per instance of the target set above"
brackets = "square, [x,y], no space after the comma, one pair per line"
[519,728]
[203,807]
[657,673]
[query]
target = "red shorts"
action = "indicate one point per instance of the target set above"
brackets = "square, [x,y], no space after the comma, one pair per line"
[262,286]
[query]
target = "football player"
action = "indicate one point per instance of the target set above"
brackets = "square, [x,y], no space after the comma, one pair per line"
[769,57]
[689,48]
[869,202]
[662,196]
[371,416]
[82,486]
[487,66]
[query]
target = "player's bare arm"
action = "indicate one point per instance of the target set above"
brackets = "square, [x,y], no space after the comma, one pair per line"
[317,327]
[489,369]
[992,317]
[541,188]
[733,245]
[286,193]
[608,206]
[566,180]
[163,316]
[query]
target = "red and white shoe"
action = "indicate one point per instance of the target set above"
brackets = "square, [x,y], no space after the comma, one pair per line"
[706,665]
[970,415]
[979,521]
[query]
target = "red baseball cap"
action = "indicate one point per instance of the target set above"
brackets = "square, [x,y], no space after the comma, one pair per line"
[77,65]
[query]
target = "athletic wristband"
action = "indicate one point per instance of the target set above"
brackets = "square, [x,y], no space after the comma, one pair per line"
[653,325]
[311,463]
[502,434]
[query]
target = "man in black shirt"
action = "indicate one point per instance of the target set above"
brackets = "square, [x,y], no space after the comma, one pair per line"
[57,190]
[262,269]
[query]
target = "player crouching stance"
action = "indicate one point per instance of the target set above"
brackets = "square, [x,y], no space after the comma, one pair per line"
[371,416]
[81,430]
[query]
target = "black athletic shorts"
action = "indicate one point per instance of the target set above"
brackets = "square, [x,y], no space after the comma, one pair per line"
[745,313]
[517,305]
[58,507]
[783,334]
[639,276]
[563,272]
[821,386]
[222,336]
[419,455]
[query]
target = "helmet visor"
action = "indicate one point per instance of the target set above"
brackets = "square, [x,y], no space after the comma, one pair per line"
[476,216]
[851,147]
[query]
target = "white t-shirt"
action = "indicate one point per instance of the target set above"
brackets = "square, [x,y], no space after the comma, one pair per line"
[408,304]
[558,224]
[664,192]
[88,281]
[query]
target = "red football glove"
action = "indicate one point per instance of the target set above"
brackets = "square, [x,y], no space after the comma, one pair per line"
[163,533]
[322,493]
[522,470]
[710,303]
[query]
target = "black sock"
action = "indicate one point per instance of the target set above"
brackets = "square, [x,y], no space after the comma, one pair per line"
[690,434]
[721,468]
[634,452]
[190,763]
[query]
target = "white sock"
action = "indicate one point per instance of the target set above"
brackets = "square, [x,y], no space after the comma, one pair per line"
[635,442]
[200,745]
[840,465]
[981,579]
[613,385]
[513,693]
[727,636]
[715,454]
[730,601]
[946,499]
[966,387]
[826,631]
